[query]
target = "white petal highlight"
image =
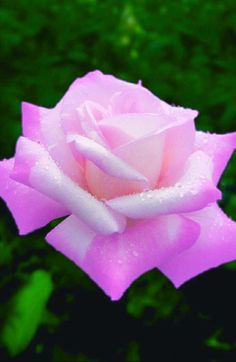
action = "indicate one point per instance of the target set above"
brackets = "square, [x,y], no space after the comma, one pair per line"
[35,168]
[193,191]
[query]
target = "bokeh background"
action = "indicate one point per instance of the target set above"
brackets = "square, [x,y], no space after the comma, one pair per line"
[185,52]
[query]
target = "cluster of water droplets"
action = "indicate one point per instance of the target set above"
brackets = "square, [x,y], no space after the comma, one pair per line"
[147,195]
[180,189]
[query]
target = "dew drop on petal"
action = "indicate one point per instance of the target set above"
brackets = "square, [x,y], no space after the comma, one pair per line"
[179,185]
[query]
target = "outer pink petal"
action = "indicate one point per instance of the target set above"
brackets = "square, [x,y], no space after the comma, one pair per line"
[218,147]
[30,209]
[115,261]
[216,245]
[193,191]
[35,168]
[31,118]
[44,126]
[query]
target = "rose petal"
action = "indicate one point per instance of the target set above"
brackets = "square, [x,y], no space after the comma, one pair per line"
[72,238]
[43,125]
[114,136]
[160,147]
[109,93]
[115,261]
[194,191]
[133,98]
[31,116]
[89,113]
[179,145]
[30,209]
[98,87]
[143,155]
[35,168]
[218,147]
[135,125]
[104,159]
[216,245]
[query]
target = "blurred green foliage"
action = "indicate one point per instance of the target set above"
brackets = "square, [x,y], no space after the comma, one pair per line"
[152,298]
[26,312]
[214,341]
[185,52]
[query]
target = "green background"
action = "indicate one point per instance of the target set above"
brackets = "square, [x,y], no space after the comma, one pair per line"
[185,52]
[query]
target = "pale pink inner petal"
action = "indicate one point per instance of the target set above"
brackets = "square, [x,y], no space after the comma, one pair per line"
[151,155]
[114,136]
[144,155]
[99,87]
[115,261]
[88,115]
[104,159]
[218,147]
[104,93]
[30,209]
[35,168]
[216,245]
[134,100]
[193,191]
[179,145]
[136,125]
[94,87]
[179,113]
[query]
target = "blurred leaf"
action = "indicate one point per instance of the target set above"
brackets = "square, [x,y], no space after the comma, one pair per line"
[152,298]
[214,342]
[231,266]
[26,312]
[133,352]
[61,356]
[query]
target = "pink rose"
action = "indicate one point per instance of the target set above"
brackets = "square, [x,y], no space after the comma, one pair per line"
[137,183]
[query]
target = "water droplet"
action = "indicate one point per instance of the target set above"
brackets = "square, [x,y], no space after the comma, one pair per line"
[178,185]
[142,196]
[51,146]
[194,191]
[150,195]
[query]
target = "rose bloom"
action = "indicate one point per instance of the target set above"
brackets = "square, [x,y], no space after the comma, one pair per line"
[135,180]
